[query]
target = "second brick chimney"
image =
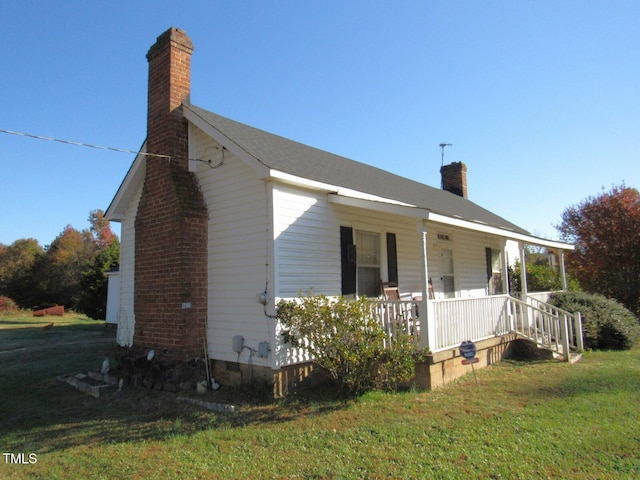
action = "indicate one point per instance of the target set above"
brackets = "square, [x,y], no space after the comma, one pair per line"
[170,298]
[454,178]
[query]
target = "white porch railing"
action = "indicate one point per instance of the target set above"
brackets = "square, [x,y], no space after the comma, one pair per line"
[397,316]
[457,320]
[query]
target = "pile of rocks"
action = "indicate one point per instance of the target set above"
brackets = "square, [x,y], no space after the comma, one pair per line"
[147,369]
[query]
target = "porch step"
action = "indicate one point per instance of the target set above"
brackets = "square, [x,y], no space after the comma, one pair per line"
[557,355]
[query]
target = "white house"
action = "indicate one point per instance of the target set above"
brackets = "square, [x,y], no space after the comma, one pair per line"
[273,218]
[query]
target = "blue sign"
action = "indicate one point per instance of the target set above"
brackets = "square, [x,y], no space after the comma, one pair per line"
[468,349]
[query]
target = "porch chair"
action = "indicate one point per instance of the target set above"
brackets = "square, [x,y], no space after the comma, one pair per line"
[390,290]
[398,315]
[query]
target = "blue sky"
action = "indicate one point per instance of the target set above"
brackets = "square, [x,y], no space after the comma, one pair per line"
[541,99]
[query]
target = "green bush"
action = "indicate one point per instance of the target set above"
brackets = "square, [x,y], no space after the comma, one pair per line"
[347,342]
[540,278]
[606,324]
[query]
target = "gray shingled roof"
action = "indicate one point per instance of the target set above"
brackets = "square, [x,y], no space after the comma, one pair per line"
[294,158]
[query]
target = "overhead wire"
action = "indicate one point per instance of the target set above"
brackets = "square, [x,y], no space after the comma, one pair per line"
[113,149]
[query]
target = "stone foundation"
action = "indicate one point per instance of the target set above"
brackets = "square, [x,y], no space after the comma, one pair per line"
[440,368]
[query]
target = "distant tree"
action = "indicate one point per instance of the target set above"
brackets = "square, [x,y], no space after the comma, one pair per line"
[69,271]
[606,232]
[16,262]
[93,297]
[59,273]
[100,228]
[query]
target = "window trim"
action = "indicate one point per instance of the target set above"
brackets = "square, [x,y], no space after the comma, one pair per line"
[372,266]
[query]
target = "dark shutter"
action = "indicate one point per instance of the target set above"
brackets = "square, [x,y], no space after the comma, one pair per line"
[348,261]
[392,258]
[487,251]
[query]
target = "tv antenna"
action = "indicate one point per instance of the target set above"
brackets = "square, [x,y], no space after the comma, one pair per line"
[442,145]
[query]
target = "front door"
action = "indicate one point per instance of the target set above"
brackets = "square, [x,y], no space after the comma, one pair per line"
[447,273]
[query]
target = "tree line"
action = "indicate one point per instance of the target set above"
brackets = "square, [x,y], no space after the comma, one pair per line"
[69,271]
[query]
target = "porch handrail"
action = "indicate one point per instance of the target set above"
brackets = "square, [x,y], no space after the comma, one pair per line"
[547,325]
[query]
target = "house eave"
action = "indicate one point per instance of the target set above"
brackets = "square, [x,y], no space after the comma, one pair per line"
[133,179]
[502,232]
[334,191]
[424,214]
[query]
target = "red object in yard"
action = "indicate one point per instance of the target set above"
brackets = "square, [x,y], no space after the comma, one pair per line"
[57,310]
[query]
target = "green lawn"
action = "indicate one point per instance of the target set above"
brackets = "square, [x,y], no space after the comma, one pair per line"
[524,420]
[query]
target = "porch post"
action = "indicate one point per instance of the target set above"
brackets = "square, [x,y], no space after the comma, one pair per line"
[523,271]
[505,270]
[523,281]
[427,322]
[563,273]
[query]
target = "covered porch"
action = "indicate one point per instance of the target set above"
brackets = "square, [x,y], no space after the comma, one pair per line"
[453,286]
[440,321]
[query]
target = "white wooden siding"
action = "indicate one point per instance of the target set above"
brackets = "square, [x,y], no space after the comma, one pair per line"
[307,243]
[126,312]
[238,245]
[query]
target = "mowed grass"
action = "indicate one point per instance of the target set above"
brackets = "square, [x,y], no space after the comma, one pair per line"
[523,420]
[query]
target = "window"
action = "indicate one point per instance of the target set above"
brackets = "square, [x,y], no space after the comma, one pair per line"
[494,272]
[368,263]
[362,258]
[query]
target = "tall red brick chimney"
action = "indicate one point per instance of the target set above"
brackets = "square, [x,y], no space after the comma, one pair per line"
[170,295]
[454,178]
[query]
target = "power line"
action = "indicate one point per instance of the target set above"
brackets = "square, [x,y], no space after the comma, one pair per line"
[80,144]
[112,149]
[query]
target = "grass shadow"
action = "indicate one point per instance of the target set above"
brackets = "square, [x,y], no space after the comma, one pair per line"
[42,414]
